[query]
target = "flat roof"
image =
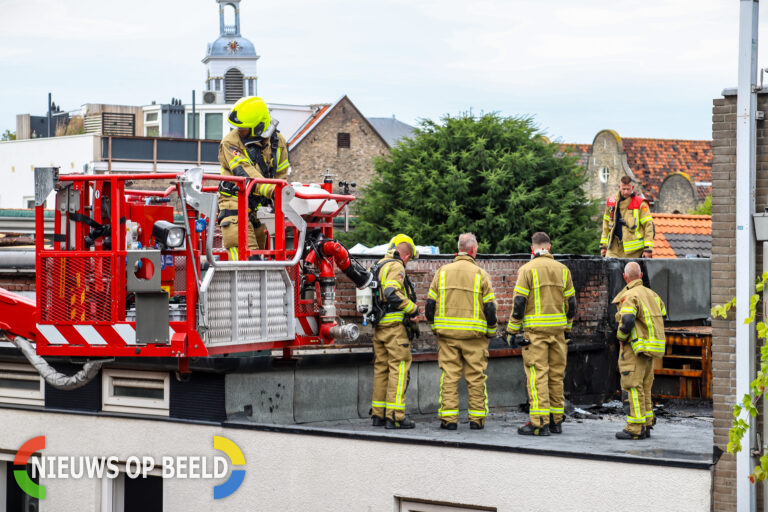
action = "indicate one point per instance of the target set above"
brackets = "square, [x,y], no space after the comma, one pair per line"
[676,441]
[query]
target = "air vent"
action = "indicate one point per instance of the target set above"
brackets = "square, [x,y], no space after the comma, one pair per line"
[210,97]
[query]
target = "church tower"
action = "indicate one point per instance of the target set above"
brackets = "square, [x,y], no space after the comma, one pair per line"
[230,60]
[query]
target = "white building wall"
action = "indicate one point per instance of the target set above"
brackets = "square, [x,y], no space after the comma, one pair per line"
[318,473]
[18,158]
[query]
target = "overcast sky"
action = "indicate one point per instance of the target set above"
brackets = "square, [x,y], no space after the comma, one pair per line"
[646,68]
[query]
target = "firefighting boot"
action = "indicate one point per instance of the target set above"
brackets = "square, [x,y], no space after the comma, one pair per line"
[378,421]
[476,425]
[627,436]
[529,430]
[449,425]
[555,427]
[403,423]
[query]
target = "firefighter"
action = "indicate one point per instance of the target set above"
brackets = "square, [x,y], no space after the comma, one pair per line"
[391,340]
[642,338]
[544,304]
[461,309]
[627,225]
[253,149]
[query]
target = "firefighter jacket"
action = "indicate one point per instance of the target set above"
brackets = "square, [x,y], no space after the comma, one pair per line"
[394,289]
[544,298]
[641,319]
[234,160]
[636,230]
[461,303]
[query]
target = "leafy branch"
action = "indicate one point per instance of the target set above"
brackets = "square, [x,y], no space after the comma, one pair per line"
[749,401]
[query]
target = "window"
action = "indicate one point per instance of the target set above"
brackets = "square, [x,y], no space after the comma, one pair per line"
[21,384]
[11,495]
[193,130]
[251,87]
[213,126]
[150,117]
[152,131]
[217,84]
[136,392]
[605,173]
[126,494]
[342,140]
[29,202]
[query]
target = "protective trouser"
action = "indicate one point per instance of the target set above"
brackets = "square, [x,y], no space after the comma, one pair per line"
[471,356]
[257,238]
[392,362]
[617,251]
[544,361]
[647,388]
[636,373]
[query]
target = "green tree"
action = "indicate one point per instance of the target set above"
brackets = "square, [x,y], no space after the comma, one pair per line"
[8,135]
[704,208]
[494,176]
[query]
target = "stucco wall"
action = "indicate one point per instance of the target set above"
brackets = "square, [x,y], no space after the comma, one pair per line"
[304,472]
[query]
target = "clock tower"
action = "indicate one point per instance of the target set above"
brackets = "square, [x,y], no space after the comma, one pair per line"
[230,60]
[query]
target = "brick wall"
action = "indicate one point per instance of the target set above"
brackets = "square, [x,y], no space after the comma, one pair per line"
[591,280]
[18,283]
[724,288]
[318,151]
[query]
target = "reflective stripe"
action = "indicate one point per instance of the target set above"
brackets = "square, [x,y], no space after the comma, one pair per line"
[393,317]
[488,298]
[513,327]
[232,251]
[378,404]
[649,414]
[565,278]
[631,310]
[534,395]
[646,219]
[441,411]
[633,244]
[638,417]
[400,385]
[395,284]
[432,294]
[410,308]
[603,241]
[607,217]
[536,293]
[555,320]
[263,189]
[620,335]
[479,414]
[476,297]
[398,407]
[490,331]
[237,160]
[661,307]
[557,410]
[441,311]
[522,291]
[283,165]
[569,292]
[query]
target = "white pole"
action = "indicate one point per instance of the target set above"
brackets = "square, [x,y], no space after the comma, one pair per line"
[745,242]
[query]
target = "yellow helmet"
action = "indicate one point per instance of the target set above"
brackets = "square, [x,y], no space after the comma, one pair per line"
[404,239]
[251,112]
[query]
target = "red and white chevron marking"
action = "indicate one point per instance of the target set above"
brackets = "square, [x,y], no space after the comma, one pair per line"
[92,335]
[307,326]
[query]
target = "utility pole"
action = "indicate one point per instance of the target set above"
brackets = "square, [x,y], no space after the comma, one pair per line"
[746,106]
[50,114]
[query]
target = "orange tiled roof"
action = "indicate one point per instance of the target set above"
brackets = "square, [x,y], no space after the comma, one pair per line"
[678,235]
[652,160]
[308,126]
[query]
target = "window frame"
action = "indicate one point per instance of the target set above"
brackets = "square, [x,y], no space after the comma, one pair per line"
[22,396]
[136,405]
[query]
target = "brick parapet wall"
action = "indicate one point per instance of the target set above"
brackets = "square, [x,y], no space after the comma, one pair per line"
[590,280]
